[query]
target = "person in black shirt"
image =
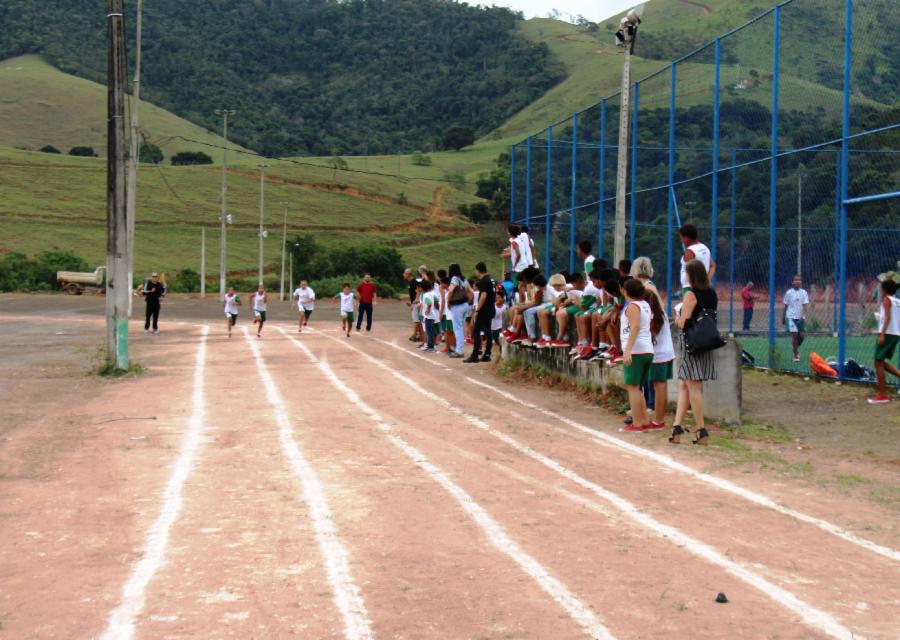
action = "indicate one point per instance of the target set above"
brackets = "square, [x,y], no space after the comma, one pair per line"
[413,294]
[153,291]
[484,313]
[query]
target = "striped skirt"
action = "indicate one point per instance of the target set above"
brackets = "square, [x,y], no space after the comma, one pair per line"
[695,366]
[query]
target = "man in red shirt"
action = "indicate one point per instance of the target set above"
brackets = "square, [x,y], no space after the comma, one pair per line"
[749,298]
[366,291]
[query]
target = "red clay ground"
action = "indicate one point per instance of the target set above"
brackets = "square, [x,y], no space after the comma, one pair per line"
[314,486]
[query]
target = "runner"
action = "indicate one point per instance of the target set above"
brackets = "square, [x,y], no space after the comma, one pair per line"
[796,300]
[232,302]
[366,291]
[259,301]
[305,298]
[347,297]
[153,291]
[888,338]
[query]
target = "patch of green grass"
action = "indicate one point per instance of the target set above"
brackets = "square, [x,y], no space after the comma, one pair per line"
[889,496]
[752,430]
[109,370]
[850,481]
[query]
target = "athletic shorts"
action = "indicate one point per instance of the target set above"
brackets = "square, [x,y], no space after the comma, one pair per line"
[796,326]
[887,350]
[586,312]
[261,315]
[233,317]
[638,372]
[306,313]
[572,309]
[661,372]
[446,325]
[436,329]
[348,315]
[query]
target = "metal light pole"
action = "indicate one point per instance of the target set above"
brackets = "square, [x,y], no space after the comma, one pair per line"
[262,201]
[223,218]
[131,194]
[625,38]
[283,250]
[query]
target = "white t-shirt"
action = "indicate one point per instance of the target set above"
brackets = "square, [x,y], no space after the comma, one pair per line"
[497,321]
[663,349]
[434,312]
[794,299]
[523,246]
[231,306]
[589,264]
[591,290]
[702,253]
[893,327]
[306,298]
[347,302]
[447,314]
[259,302]
[644,341]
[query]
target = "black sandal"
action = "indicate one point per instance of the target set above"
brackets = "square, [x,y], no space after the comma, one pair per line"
[677,432]
[702,437]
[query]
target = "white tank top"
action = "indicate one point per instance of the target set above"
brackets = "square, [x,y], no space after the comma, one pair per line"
[701,253]
[892,327]
[523,244]
[644,341]
[663,349]
[259,302]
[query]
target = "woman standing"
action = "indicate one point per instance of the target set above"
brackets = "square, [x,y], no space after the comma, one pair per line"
[694,368]
[458,297]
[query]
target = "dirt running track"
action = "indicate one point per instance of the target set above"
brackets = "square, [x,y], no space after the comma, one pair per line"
[314,486]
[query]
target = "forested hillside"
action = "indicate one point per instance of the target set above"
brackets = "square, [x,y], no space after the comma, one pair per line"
[308,76]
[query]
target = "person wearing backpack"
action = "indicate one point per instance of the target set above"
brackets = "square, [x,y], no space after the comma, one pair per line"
[459,297]
[694,367]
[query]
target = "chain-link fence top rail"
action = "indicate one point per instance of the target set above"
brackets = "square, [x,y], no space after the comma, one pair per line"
[779,140]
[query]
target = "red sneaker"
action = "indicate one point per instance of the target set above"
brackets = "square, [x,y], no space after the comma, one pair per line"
[652,425]
[879,400]
[637,427]
[560,343]
[519,337]
[586,352]
[542,343]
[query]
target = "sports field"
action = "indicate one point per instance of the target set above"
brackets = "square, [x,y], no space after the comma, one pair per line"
[314,486]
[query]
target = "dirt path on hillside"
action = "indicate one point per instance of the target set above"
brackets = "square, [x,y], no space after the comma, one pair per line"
[705,9]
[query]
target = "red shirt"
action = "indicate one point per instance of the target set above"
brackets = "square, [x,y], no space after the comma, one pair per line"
[748,298]
[366,291]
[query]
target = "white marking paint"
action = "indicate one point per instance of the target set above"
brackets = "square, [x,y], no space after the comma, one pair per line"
[812,616]
[120,625]
[719,483]
[346,595]
[579,611]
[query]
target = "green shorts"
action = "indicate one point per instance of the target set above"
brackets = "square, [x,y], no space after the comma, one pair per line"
[573,309]
[348,315]
[661,372]
[261,315]
[638,372]
[446,325]
[887,350]
[436,329]
[586,312]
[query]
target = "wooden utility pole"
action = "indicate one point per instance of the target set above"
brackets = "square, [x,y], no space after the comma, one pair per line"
[223,220]
[131,205]
[118,288]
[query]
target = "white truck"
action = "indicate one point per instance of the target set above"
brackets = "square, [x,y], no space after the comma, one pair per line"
[75,282]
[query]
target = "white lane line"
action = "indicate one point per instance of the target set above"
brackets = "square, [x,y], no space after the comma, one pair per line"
[346,595]
[120,625]
[393,343]
[579,611]
[810,615]
[719,483]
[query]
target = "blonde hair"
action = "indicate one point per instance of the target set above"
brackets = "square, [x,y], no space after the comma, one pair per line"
[557,279]
[642,268]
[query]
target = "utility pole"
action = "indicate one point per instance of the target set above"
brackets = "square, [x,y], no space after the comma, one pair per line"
[283,250]
[223,218]
[202,262]
[625,38]
[118,289]
[131,205]
[800,220]
[262,202]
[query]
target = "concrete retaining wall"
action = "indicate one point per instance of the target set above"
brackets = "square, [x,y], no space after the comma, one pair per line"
[721,397]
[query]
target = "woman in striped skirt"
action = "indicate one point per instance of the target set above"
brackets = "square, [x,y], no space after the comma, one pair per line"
[694,369]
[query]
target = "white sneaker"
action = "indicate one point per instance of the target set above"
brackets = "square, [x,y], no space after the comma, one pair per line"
[526,343]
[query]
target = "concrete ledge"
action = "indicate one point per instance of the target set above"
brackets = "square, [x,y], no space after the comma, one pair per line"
[721,397]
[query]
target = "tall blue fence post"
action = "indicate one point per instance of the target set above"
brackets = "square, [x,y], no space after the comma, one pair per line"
[773,181]
[634,141]
[528,183]
[512,183]
[601,209]
[845,162]
[731,239]
[714,214]
[837,241]
[670,210]
[573,204]
[549,188]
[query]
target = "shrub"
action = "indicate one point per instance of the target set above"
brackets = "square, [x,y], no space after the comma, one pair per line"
[150,153]
[84,152]
[18,272]
[185,158]
[49,149]
[420,159]
[458,136]
[185,281]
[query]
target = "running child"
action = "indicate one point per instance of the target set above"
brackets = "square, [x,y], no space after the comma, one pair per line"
[347,297]
[305,298]
[259,302]
[232,302]
[888,338]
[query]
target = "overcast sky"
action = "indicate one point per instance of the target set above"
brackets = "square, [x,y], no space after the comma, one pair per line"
[594,10]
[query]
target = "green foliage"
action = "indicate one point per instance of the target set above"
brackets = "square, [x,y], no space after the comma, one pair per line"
[402,198]
[330,286]
[49,149]
[83,152]
[313,263]
[337,163]
[190,157]
[365,75]
[18,272]
[185,281]
[479,213]
[420,159]
[458,136]
[455,180]
[494,187]
[149,153]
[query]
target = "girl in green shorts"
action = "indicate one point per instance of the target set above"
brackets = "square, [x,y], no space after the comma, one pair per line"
[637,348]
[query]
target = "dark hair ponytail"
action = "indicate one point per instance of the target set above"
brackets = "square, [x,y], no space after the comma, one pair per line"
[659,317]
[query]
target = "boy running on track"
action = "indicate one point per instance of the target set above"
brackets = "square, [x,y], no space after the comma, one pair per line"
[305,298]
[888,338]
[796,300]
[259,302]
[347,297]
[232,302]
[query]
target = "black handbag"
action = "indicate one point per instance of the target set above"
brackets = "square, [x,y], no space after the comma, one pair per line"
[701,334]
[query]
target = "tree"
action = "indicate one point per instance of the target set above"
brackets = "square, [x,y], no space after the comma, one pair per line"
[420,159]
[479,213]
[149,153]
[190,157]
[49,149]
[458,136]
[84,152]
[337,163]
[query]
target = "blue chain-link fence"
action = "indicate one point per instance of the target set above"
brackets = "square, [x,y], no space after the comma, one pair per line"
[785,156]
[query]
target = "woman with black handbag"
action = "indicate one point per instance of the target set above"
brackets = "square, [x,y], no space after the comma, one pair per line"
[696,362]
